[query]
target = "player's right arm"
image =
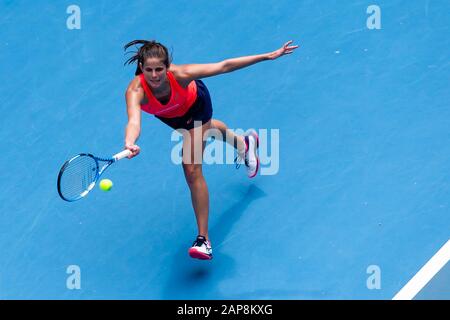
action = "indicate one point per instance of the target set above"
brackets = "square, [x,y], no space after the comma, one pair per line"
[133,95]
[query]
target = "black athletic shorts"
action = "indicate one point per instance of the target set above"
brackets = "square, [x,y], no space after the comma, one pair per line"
[201,110]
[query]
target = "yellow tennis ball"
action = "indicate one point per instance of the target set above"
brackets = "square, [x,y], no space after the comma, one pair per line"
[105,184]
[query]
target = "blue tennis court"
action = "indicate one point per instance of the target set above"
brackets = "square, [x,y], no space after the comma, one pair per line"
[353,196]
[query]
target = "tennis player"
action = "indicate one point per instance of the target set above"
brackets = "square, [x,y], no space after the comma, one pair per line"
[176,96]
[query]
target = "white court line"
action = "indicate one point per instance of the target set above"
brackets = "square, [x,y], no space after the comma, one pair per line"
[428,271]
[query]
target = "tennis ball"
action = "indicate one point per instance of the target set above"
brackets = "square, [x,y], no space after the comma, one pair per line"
[105,184]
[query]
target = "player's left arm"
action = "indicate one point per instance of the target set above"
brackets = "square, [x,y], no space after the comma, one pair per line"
[189,72]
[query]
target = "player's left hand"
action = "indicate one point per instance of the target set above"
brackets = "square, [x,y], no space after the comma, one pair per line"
[285,49]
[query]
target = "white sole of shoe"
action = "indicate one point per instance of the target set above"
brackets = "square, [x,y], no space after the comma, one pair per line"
[255,149]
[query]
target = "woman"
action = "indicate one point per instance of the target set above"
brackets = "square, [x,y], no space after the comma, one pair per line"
[176,95]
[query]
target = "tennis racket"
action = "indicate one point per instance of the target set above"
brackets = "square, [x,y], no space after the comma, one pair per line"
[79,174]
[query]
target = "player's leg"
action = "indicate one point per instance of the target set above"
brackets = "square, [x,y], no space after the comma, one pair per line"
[229,136]
[246,146]
[193,146]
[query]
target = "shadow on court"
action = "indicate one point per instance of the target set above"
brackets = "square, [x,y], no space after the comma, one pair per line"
[194,279]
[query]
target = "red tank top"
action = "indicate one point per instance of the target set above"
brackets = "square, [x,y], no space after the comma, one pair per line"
[181,99]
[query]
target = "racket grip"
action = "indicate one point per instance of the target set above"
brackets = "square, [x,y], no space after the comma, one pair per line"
[121,155]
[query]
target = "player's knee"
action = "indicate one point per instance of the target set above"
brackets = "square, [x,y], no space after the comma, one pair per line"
[217,124]
[192,172]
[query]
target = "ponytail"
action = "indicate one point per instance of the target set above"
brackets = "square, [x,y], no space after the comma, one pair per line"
[148,49]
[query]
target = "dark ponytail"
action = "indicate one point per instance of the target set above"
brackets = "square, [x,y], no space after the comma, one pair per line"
[148,49]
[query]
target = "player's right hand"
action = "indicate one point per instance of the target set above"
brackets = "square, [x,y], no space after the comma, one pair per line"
[134,148]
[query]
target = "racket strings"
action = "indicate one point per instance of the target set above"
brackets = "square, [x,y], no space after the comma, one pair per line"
[78,177]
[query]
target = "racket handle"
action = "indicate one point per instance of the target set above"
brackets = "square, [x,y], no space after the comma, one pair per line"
[121,155]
